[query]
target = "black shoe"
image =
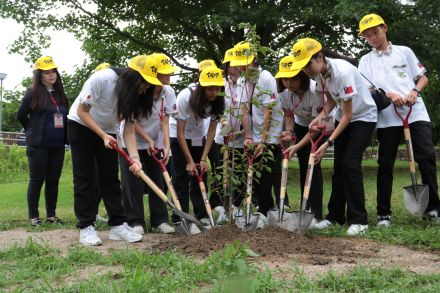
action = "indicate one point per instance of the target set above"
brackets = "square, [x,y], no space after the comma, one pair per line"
[36,222]
[53,220]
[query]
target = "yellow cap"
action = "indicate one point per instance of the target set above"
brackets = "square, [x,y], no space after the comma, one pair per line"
[102,66]
[206,63]
[45,63]
[285,68]
[370,20]
[146,66]
[163,63]
[242,55]
[211,76]
[229,54]
[303,50]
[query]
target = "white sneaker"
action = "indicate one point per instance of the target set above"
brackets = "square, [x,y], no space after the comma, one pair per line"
[433,216]
[124,232]
[138,229]
[356,229]
[164,228]
[262,221]
[322,224]
[222,217]
[237,212]
[314,223]
[88,236]
[383,221]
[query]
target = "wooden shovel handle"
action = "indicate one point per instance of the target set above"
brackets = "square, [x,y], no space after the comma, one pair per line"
[308,181]
[409,150]
[173,193]
[284,169]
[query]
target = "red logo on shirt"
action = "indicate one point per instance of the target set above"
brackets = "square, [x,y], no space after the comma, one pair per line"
[174,107]
[420,65]
[348,90]
[272,97]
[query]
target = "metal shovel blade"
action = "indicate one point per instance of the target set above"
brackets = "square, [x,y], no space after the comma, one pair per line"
[287,220]
[416,198]
[298,222]
[240,222]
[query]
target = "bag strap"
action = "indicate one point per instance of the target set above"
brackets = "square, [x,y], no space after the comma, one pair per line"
[367,79]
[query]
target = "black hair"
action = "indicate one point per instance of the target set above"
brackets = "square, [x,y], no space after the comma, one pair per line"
[226,69]
[40,97]
[132,104]
[304,78]
[198,103]
[335,55]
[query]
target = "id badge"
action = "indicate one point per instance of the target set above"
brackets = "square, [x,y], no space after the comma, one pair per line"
[58,120]
[159,141]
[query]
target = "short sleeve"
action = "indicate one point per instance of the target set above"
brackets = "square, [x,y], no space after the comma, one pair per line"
[270,92]
[170,102]
[284,99]
[415,67]
[347,84]
[183,111]
[92,90]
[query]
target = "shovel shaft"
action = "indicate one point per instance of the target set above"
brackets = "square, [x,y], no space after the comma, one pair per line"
[308,182]
[409,150]
[206,202]
[173,193]
[250,178]
[284,169]
[225,169]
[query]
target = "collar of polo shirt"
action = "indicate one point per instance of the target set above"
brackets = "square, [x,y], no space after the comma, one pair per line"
[387,51]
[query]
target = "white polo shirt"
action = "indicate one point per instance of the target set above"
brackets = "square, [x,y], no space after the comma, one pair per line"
[194,126]
[99,93]
[344,82]
[152,124]
[265,94]
[395,71]
[305,107]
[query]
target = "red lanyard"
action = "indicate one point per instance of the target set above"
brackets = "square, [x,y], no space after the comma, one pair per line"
[292,112]
[250,97]
[161,113]
[323,96]
[53,101]
[233,95]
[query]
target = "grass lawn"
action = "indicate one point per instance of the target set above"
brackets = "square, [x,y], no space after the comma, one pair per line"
[32,266]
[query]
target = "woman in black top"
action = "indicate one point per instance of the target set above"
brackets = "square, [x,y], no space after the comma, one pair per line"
[43,115]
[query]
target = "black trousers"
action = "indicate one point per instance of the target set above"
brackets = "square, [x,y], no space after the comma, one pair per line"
[186,185]
[91,160]
[45,165]
[314,202]
[214,158]
[424,154]
[347,181]
[263,186]
[133,193]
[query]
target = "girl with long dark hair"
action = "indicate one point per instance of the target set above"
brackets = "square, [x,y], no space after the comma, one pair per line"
[43,115]
[93,119]
[356,117]
[301,105]
[152,132]
[188,144]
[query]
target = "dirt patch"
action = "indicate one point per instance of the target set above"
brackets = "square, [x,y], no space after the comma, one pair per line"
[279,250]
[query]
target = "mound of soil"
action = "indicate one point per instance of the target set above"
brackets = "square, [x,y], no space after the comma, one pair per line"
[273,243]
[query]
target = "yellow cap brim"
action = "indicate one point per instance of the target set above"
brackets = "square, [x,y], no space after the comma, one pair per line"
[298,65]
[287,74]
[151,80]
[242,62]
[48,67]
[212,83]
[167,70]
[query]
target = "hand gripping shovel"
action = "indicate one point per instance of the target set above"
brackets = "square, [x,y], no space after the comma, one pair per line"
[280,219]
[183,227]
[303,219]
[416,196]
[250,221]
[157,190]
[199,176]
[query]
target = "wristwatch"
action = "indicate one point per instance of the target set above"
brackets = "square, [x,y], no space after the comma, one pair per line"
[330,142]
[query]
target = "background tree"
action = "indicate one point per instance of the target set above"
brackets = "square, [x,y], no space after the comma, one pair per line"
[113,31]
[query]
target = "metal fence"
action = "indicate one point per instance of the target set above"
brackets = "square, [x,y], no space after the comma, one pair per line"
[10,138]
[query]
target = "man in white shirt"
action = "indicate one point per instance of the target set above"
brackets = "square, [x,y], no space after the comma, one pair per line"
[399,73]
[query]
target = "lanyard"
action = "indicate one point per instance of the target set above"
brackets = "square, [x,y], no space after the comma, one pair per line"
[292,112]
[161,113]
[53,101]
[233,95]
[323,97]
